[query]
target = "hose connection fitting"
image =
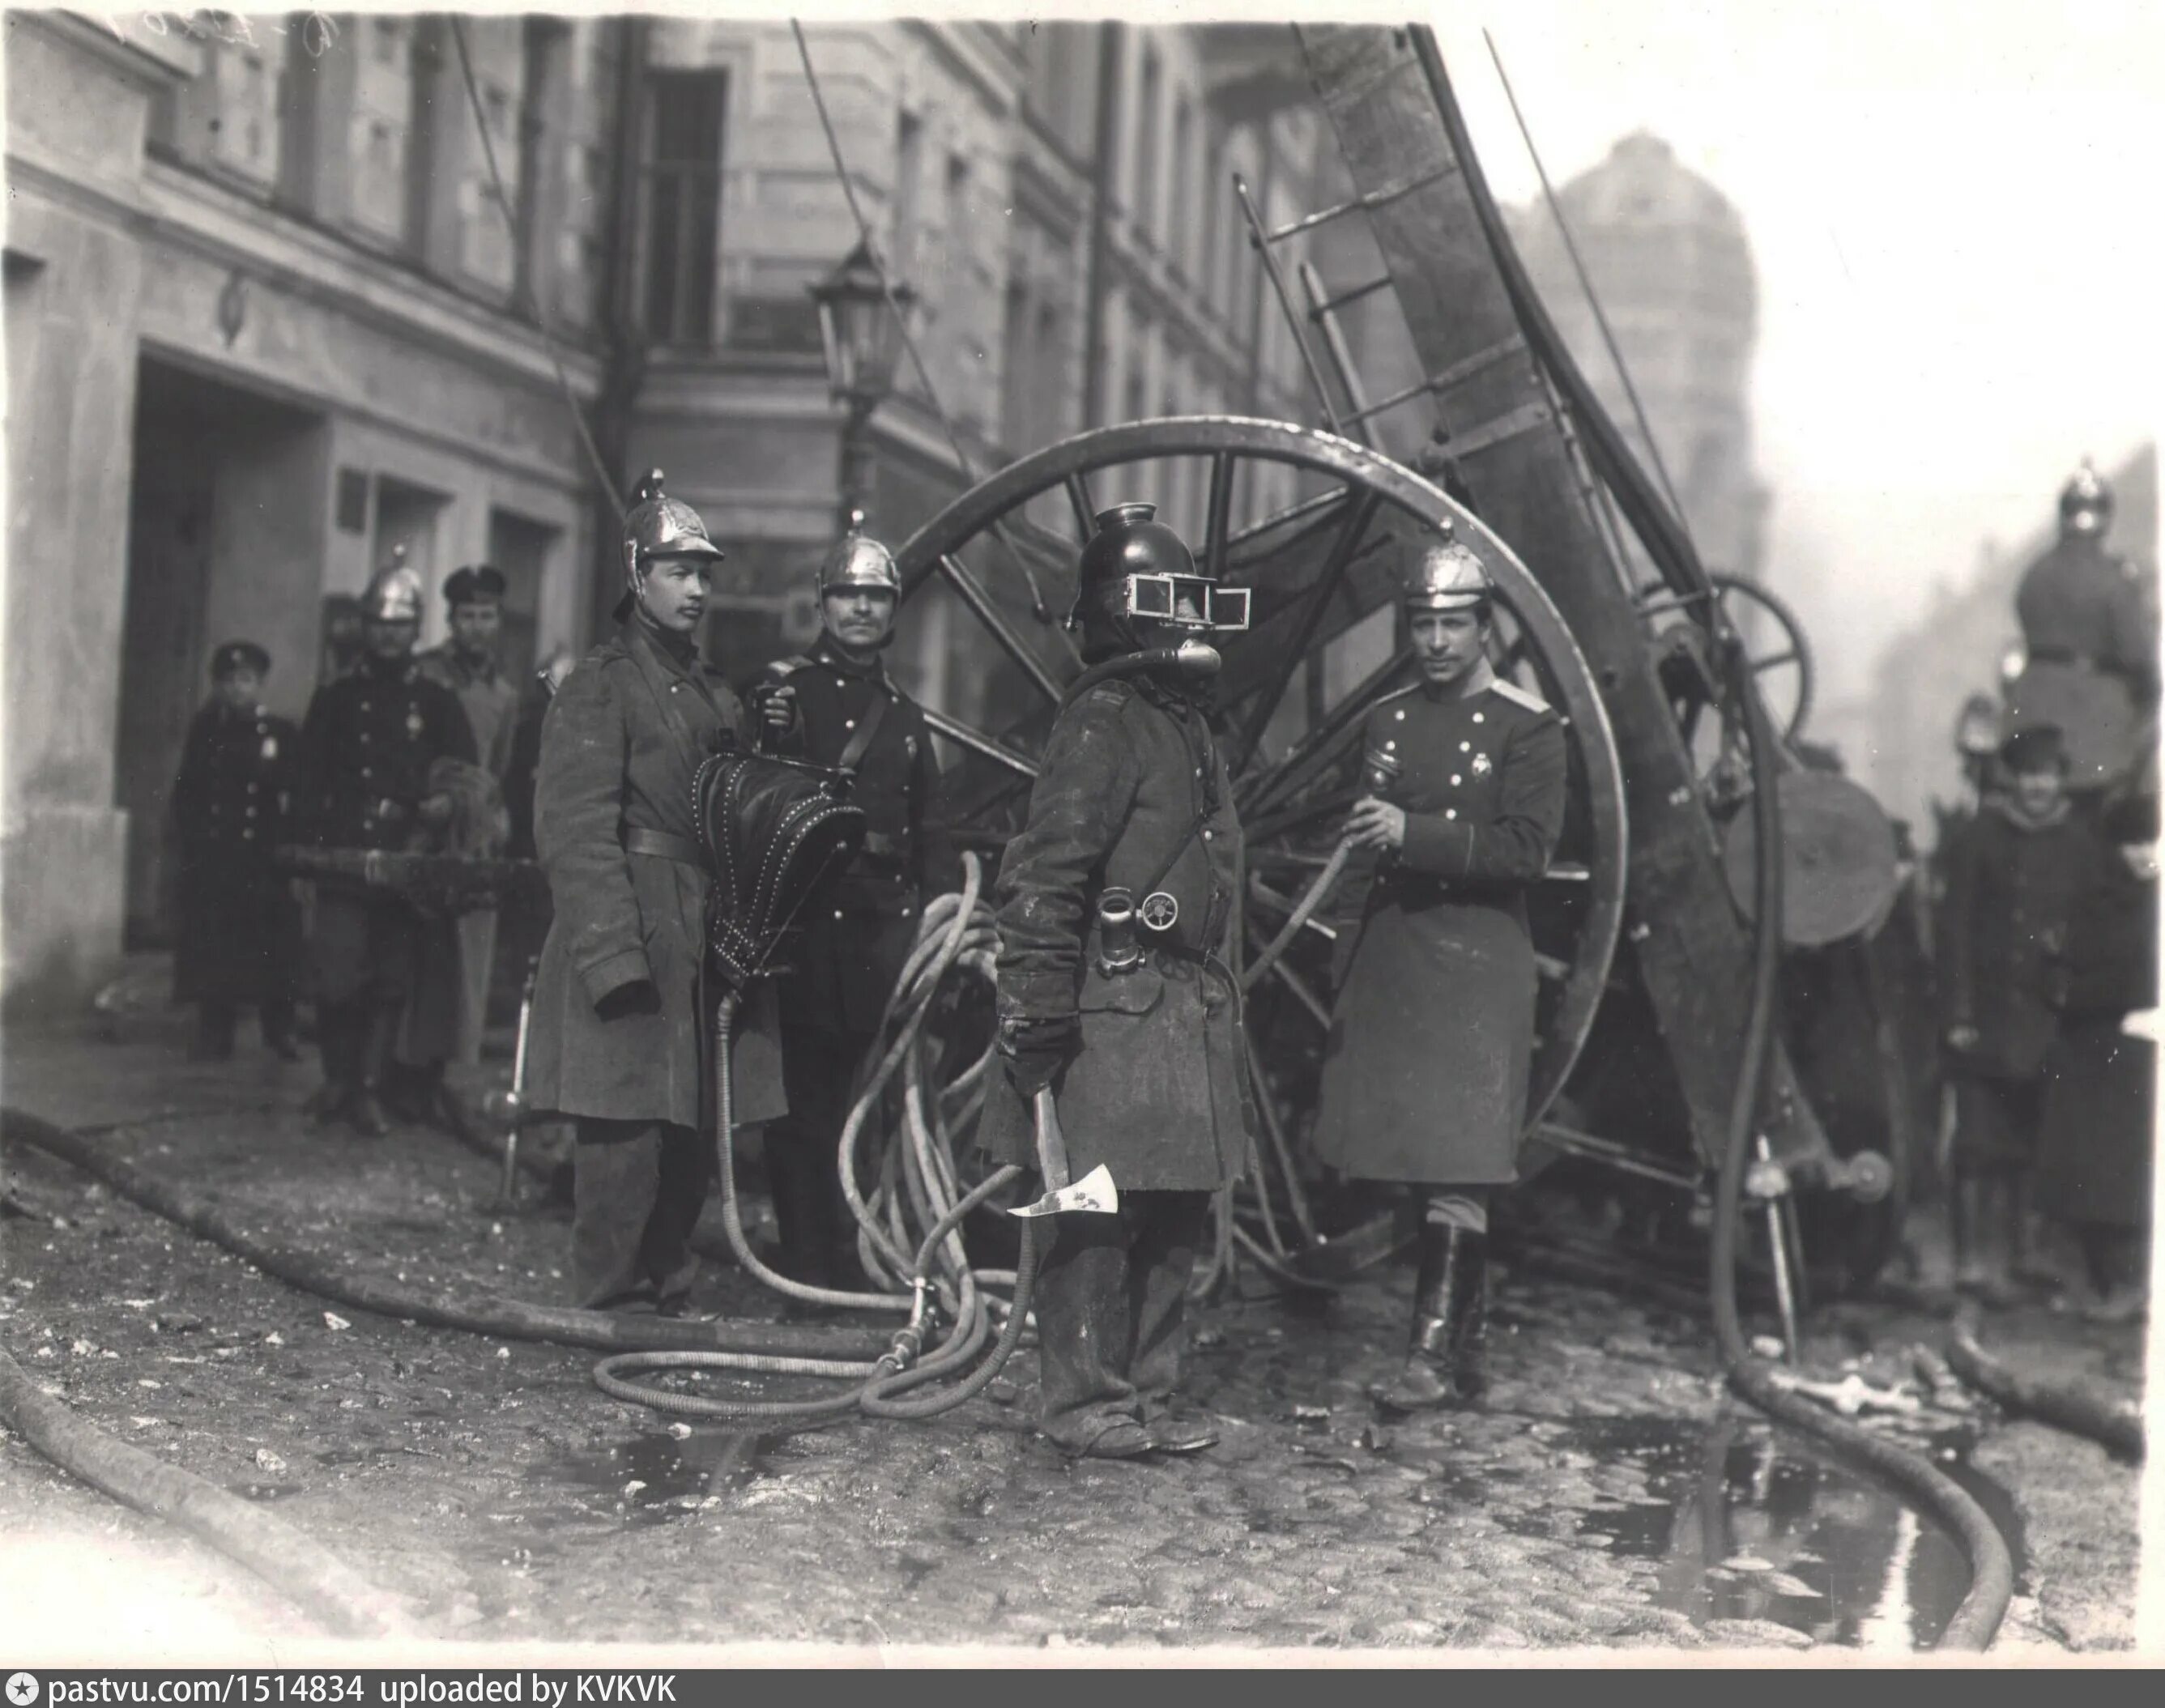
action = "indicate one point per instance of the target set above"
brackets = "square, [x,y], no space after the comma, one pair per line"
[1118,951]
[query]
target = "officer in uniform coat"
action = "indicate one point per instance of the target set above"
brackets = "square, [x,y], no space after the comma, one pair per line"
[1430,1050]
[451,999]
[2014,876]
[368,743]
[2090,636]
[1140,1040]
[239,929]
[619,1042]
[835,706]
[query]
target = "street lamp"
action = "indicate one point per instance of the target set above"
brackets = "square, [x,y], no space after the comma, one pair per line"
[860,338]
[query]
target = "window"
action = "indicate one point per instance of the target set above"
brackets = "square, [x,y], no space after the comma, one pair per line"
[1147,153]
[1018,378]
[1217,190]
[683,204]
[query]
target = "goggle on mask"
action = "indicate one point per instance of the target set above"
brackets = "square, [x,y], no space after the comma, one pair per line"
[1188,602]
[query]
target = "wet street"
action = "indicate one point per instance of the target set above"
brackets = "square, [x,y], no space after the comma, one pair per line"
[1612,1494]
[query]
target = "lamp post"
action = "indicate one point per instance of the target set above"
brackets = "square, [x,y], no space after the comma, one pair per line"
[860,338]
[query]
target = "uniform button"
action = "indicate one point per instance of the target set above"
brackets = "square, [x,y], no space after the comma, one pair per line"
[1450,812]
[905,913]
[251,812]
[1455,779]
[849,723]
[249,834]
[1465,746]
[251,789]
[1390,746]
[1400,715]
[366,771]
[1206,836]
[838,913]
[1477,718]
[364,736]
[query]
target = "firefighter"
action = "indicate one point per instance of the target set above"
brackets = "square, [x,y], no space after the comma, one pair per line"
[618,1042]
[451,1006]
[2090,640]
[2014,875]
[1426,1069]
[835,706]
[239,928]
[369,741]
[1132,811]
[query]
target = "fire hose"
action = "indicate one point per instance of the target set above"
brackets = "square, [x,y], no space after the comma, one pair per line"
[1992,1570]
[909,1238]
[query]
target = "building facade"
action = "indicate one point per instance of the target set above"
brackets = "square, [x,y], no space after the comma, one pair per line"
[267,322]
[1669,258]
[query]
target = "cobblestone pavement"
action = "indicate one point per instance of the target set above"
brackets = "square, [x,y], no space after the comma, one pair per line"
[1610,1494]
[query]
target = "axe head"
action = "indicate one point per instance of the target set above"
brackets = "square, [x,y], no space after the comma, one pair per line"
[1094,1193]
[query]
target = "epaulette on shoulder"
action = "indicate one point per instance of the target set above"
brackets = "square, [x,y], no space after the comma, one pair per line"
[1518,696]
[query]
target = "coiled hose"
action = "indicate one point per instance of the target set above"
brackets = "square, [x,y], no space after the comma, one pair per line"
[918,1188]
[1991,1569]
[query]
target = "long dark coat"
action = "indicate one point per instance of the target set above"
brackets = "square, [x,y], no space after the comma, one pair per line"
[1159,1092]
[1426,1074]
[368,741]
[2099,1131]
[852,947]
[619,746]
[239,937]
[2011,886]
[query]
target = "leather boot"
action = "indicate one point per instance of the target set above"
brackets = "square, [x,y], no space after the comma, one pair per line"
[1443,1369]
[380,1036]
[797,1177]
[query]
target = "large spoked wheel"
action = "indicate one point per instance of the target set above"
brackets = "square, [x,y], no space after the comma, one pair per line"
[1775,648]
[1325,643]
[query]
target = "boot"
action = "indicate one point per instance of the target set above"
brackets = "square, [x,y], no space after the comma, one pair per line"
[802,1209]
[277,1022]
[1443,1368]
[335,1031]
[365,1109]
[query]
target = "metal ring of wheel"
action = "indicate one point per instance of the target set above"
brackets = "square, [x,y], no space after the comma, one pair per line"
[1796,650]
[1315,569]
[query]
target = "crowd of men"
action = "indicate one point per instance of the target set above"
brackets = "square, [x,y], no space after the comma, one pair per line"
[1115,903]
[2046,936]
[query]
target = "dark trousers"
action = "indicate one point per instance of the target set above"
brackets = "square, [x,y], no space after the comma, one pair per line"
[637,1190]
[1111,1298]
[819,1078]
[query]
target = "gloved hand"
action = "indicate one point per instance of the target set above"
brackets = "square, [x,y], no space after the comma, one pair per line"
[1037,1050]
[775,703]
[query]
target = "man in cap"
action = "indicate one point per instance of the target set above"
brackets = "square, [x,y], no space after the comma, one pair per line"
[2090,636]
[369,741]
[1427,1066]
[618,1042]
[2014,876]
[1116,905]
[835,706]
[450,1004]
[239,929]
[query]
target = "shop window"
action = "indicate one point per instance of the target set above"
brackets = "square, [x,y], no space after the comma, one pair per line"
[683,204]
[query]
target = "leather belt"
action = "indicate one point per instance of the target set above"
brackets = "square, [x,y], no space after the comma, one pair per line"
[663,845]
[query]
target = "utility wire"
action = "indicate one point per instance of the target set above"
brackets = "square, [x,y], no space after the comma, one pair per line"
[894,307]
[1586,284]
[532,300]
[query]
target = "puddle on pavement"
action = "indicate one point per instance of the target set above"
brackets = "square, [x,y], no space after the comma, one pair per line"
[1750,1523]
[657,1476]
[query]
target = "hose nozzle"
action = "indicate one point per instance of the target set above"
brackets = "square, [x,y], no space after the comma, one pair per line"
[1193,658]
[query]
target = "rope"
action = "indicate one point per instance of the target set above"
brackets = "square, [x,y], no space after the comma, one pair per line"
[532,302]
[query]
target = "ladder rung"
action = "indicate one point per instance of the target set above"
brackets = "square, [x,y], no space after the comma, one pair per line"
[1374,199]
[1466,367]
[1526,418]
[1407,396]
[1332,305]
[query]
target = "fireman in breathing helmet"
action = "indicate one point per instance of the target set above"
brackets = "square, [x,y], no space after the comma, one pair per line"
[1114,904]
